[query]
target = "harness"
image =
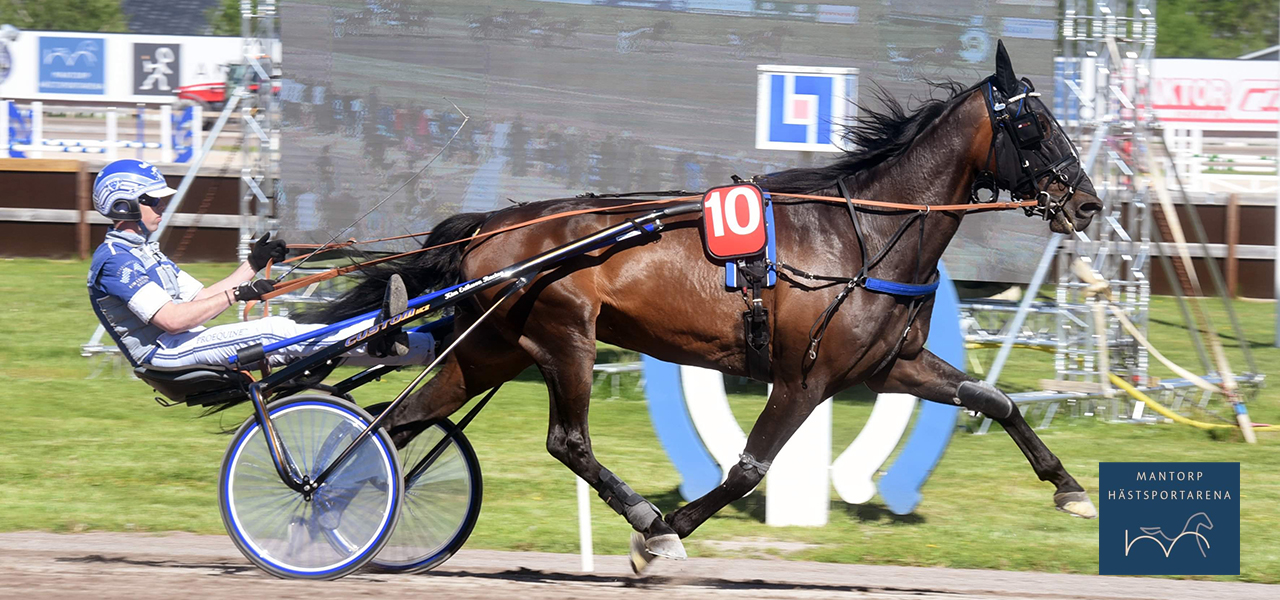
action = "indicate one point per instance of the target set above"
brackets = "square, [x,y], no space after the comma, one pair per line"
[916,292]
[1022,166]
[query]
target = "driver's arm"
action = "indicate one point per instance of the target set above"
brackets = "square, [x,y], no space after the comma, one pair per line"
[178,317]
[242,274]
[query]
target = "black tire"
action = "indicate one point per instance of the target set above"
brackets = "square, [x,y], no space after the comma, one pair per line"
[455,501]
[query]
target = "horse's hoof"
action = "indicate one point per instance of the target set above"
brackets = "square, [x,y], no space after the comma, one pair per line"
[640,556]
[1076,504]
[667,545]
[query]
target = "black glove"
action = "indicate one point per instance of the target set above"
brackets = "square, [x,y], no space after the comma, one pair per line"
[266,249]
[253,290]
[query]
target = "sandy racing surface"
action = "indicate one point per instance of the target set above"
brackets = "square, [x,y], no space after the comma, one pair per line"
[113,565]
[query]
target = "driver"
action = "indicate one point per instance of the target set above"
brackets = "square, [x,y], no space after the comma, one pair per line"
[155,311]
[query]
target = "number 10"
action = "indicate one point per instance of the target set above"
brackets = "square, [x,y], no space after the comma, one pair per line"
[718,220]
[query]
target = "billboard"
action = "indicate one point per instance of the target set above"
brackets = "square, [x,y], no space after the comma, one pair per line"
[571,96]
[72,65]
[804,108]
[1222,95]
[111,67]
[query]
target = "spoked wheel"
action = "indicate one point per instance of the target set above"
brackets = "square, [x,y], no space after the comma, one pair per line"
[344,523]
[441,505]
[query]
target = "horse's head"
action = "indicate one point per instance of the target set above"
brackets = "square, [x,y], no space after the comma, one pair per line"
[1030,155]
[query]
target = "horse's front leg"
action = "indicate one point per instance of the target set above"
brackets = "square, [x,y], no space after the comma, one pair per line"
[788,406]
[929,377]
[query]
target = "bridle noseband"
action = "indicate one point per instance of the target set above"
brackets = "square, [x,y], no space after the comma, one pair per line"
[1021,151]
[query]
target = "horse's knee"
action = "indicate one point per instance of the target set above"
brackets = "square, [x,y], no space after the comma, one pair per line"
[746,475]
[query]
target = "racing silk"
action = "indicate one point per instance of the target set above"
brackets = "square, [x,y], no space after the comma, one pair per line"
[130,280]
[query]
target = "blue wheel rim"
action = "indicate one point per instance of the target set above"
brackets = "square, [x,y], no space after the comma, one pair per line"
[347,518]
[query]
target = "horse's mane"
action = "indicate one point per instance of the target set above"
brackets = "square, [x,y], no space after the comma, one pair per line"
[879,136]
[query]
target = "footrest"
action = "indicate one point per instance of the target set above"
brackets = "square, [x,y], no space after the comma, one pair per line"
[200,386]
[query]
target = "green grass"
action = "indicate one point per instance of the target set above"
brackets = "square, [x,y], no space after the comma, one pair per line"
[82,454]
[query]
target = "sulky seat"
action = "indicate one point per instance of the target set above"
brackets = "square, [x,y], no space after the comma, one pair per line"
[204,385]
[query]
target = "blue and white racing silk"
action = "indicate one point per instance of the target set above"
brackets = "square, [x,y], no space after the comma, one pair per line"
[130,280]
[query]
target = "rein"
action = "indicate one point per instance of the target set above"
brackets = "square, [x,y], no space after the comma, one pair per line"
[307,280]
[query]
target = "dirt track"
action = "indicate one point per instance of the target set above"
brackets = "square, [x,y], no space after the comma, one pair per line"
[110,565]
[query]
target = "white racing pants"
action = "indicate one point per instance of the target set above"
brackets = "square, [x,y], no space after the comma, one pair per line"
[216,345]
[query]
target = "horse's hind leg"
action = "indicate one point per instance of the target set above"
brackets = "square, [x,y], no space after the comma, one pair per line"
[481,361]
[566,364]
[929,377]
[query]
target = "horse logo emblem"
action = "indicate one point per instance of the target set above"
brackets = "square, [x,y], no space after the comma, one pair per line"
[1192,528]
[1156,518]
[86,49]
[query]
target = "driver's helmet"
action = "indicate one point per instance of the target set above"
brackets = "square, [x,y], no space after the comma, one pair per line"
[123,184]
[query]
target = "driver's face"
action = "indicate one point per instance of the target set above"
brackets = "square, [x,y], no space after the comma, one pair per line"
[152,211]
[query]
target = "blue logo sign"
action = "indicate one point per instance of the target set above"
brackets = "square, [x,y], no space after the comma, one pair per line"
[803,108]
[1168,518]
[72,65]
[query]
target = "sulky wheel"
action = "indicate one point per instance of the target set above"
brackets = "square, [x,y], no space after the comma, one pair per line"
[441,504]
[344,523]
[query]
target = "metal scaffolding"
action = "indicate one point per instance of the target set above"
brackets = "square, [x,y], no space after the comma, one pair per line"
[1107,48]
[259,111]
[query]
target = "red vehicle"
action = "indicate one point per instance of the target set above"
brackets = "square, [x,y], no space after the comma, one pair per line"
[212,96]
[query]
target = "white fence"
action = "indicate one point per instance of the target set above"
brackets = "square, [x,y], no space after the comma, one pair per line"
[173,139]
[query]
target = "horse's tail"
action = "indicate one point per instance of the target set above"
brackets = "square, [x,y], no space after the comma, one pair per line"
[423,271]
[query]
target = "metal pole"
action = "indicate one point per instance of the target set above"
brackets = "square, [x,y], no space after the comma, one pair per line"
[584,526]
[195,165]
[1033,288]
[1275,263]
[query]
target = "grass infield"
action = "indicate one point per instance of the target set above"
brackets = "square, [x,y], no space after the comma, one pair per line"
[80,453]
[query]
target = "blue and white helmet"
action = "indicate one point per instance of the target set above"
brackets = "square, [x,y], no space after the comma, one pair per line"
[119,185]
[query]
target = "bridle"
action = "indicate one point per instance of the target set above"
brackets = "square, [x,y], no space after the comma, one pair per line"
[1019,159]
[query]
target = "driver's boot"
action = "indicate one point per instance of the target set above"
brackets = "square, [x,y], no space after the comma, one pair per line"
[394,342]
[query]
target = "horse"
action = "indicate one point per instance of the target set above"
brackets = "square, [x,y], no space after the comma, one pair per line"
[661,295]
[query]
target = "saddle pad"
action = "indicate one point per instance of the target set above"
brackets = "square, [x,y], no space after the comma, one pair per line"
[733,221]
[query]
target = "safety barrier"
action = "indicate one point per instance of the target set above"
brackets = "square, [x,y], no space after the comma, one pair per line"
[22,134]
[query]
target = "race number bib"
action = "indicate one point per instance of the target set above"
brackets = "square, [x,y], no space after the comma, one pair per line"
[733,219]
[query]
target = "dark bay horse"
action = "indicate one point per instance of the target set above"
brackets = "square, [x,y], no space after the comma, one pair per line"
[660,294]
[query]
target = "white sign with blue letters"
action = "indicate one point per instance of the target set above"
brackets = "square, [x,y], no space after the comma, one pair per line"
[804,108]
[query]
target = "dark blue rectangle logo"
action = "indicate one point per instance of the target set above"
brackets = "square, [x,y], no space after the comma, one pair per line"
[72,65]
[1169,518]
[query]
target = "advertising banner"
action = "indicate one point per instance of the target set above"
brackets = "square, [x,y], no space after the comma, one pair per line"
[72,65]
[1224,95]
[113,67]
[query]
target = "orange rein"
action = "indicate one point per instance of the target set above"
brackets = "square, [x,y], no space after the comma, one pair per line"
[300,282]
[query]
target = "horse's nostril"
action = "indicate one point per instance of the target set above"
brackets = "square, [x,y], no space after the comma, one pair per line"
[1089,208]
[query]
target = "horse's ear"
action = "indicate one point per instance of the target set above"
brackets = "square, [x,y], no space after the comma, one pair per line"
[1005,80]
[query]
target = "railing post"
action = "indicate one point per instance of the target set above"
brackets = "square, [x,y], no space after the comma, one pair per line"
[1233,239]
[197,132]
[83,204]
[37,128]
[113,133]
[4,128]
[166,133]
